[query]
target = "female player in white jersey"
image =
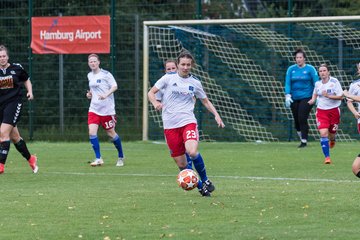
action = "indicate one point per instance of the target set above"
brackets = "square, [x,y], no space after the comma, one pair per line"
[329,93]
[102,109]
[170,68]
[180,124]
[353,96]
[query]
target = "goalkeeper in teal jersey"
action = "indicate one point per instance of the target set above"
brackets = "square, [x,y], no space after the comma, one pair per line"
[299,86]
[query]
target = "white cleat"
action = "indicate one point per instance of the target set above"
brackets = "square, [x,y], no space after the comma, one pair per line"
[36,169]
[120,162]
[97,162]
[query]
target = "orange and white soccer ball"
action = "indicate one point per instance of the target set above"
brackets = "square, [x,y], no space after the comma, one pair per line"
[187,179]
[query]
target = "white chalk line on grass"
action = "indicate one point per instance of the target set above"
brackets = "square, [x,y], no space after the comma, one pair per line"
[226,177]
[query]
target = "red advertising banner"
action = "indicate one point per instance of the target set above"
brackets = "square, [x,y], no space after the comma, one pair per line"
[70,35]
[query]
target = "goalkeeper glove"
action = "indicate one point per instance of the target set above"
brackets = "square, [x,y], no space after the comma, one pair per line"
[288,100]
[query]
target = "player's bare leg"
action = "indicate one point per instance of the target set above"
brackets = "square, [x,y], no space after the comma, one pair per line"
[332,140]
[181,161]
[356,166]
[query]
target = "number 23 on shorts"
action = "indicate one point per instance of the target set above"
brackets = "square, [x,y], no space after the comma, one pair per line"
[191,134]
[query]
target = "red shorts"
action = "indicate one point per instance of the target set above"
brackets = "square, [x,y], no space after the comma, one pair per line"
[176,138]
[329,119]
[107,122]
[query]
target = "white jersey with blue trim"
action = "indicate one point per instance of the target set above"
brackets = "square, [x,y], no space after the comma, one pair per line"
[160,93]
[354,89]
[178,99]
[332,87]
[100,84]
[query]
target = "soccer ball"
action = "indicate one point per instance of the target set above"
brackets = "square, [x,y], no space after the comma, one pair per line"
[187,179]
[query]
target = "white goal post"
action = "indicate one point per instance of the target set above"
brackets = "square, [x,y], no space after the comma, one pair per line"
[238,46]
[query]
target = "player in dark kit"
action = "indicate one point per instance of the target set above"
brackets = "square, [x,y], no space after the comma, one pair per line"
[12,78]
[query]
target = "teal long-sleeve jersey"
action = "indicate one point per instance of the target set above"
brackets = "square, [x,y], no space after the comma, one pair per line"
[300,81]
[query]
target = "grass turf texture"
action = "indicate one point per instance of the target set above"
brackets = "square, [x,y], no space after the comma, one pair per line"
[263,191]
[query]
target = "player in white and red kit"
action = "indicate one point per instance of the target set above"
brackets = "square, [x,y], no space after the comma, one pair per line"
[180,124]
[328,93]
[102,109]
[171,68]
[353,97]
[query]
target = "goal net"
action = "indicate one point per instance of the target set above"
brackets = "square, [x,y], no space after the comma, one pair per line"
[242,65]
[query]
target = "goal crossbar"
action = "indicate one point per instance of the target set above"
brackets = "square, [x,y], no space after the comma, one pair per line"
[147,24]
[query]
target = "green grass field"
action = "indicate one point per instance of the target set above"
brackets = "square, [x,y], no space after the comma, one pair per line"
[264,191]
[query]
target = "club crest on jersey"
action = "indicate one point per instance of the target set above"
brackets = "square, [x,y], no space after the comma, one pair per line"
[12,72]
[191,88]
[98,81]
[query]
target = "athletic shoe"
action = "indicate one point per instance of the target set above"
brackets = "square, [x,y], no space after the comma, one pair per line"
[97,162]
[327,160]
[2,168]
[33,163]
[332,143]
[120,162]
[209,185]
[204,191]
[302,145]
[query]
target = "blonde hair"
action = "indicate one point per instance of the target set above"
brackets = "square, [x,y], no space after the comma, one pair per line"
[3,48]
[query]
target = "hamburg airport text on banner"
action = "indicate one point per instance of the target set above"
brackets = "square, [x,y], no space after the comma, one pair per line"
[70,35]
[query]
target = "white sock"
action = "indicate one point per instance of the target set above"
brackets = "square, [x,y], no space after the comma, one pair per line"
[299,134]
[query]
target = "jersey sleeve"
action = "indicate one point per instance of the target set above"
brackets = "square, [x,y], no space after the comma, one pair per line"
[161,83]
[23,75]
[351,88]
[354,89]
[88,76]
[316,88]
[314,75]
[111,80]
[288,81]
[339,90]
[199,91]
[351,91]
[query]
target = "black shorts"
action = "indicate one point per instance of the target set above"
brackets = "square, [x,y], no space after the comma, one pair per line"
[10,112]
